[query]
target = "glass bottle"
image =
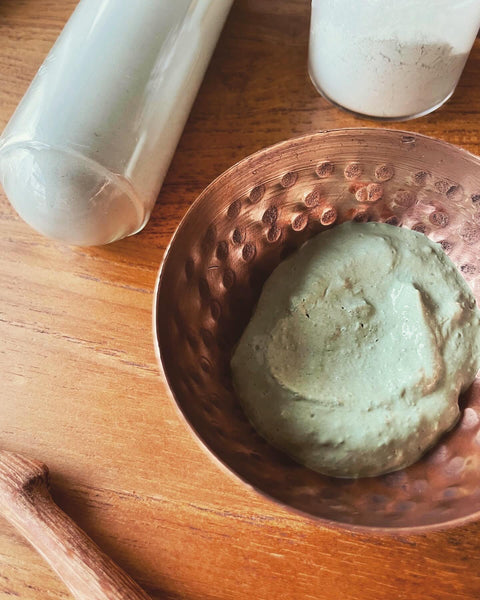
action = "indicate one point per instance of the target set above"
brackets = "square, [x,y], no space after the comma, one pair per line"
[85,153]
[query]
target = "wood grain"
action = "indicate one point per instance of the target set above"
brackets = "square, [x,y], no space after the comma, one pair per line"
[27,504]
[80,385]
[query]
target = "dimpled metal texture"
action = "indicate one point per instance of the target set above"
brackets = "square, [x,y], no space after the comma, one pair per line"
[234,235]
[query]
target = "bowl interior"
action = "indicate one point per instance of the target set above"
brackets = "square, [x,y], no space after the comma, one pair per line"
[234,235]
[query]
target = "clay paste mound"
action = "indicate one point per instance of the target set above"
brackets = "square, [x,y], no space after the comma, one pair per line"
[358,349]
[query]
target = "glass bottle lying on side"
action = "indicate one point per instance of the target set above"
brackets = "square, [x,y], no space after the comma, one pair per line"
[85,154]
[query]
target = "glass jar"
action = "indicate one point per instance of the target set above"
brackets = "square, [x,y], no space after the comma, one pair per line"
[390,59]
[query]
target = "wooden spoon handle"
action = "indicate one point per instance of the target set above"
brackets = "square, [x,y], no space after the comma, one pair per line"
[84,568]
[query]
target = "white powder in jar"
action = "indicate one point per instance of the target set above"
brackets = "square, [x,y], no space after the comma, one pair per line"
[374,59]
[388,78]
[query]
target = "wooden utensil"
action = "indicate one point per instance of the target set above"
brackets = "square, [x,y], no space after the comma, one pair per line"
[26,503]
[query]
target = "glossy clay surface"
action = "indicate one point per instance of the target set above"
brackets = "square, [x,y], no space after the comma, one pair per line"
[239,229]
[358,349]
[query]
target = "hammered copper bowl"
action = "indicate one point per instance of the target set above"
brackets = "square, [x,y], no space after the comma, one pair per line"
[238,230]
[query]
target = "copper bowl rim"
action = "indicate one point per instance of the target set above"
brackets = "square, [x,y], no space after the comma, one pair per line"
[224,467]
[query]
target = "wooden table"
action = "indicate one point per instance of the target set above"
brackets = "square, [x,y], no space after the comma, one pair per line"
[80,388]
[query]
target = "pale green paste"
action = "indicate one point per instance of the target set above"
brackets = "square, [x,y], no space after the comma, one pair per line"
[358,349]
